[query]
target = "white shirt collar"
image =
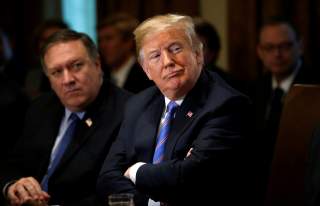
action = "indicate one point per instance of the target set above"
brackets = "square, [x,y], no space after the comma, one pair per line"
[68,113]
[178,102]
[287,82]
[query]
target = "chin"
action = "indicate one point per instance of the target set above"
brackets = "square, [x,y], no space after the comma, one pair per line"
[75,103]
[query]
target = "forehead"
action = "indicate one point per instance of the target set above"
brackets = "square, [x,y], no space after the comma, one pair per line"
[64,51]
[164,38]
[277,33]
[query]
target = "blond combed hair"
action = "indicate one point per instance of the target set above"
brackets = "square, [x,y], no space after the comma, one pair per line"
[161,23]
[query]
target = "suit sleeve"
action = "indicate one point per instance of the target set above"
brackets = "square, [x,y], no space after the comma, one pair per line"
[111,178]
[217,139]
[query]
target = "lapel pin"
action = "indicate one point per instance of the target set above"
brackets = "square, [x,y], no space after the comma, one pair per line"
[89,122]
[190,114]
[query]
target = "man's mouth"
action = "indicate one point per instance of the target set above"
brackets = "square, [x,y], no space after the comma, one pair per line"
[174,74]
[72,91]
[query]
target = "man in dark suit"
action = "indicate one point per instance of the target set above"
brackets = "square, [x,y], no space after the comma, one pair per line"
[116,45]
[180,142]
[40,171]
[280,50]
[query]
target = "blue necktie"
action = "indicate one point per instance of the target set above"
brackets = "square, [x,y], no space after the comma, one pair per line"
[61,148]
[164,133]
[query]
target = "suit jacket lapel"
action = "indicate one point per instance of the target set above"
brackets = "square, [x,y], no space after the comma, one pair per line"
[83,132]
[147,127]
[48,133]
[86,127]
[52,128]
[186,113]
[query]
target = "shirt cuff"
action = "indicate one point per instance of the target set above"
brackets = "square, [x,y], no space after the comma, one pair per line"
[133,171]
[6,187]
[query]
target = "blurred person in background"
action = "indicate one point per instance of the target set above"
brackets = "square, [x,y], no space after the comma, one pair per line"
[280,49]
[117,49]
[10,60]
[36,82]
[13,106]
[210,39]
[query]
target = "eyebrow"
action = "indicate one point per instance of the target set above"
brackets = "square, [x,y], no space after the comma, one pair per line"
[176,42]
[69,62]
[149,53]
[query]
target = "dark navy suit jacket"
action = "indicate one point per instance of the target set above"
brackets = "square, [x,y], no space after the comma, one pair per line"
[73,182]
[211,120]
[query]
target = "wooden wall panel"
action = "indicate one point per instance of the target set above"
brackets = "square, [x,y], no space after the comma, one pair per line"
[242,35]
[147,8]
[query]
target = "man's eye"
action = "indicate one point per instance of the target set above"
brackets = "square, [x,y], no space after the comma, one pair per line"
[175,49]
[154,56]
[56,73]
[76,66]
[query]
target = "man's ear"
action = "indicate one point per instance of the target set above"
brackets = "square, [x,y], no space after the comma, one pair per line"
[199,57]
[97,64]
[259,51]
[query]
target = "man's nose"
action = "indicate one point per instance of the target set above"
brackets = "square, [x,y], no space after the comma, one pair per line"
[277,51]
[67,77]
[167,59]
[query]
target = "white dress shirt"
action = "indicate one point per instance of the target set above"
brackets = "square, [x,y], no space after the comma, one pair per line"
[134,168]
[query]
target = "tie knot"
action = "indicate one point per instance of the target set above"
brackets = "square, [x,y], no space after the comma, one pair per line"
[73,117]
[171,107]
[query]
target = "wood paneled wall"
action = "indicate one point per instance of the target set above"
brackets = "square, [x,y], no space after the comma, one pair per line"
[242,34]
[143,9]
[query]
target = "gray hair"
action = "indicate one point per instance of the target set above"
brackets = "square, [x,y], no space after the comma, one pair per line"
[163,22]
[67,35]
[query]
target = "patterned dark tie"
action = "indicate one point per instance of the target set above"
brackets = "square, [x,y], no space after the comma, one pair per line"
[164,132]
[61,148]
[274,115]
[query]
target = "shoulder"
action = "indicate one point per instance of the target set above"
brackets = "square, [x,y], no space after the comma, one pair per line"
[42,110]
[117,93]
[145,95]
[140,101]
[218,90]
[307,75]
[44,102]
[110,101]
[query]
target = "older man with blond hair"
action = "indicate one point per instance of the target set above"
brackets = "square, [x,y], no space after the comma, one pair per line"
[180,141]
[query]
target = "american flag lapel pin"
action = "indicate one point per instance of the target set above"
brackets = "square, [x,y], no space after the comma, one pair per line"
[89,122]
[189,114]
